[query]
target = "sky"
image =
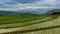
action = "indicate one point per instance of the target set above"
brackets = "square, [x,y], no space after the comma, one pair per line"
[28,4]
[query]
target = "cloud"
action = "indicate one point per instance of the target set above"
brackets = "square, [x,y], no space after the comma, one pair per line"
[25,4]
[47,2]
[58,2]
[25,1]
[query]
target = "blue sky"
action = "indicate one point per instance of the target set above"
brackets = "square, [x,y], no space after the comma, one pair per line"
[28,4]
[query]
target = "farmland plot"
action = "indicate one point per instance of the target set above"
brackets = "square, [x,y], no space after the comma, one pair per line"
[33,27]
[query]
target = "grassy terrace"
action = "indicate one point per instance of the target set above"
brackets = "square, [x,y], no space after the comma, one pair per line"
[18,18]
[20,21]
[49,25]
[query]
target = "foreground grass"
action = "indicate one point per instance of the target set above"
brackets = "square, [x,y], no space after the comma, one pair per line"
[49,31]
[43,22]
[42,19]
[36,28]
[21,24]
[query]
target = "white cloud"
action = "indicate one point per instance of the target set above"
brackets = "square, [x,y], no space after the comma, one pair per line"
[19,6]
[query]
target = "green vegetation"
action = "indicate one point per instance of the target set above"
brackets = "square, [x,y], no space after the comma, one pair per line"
[19,18]
[45,25]
[24,20]
[27,21]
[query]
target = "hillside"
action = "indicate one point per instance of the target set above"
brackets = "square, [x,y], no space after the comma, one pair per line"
[6,12]
[37,27]
[27,23]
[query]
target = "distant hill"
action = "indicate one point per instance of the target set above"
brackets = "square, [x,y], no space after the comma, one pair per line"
[54,11]
[35,11]
[6,12]
[27,11]
[2,13]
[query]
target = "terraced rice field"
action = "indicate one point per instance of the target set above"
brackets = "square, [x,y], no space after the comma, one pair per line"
[20,22]
[47,25]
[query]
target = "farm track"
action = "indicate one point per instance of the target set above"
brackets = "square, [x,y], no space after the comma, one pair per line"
[34,27]
[47,30]
[33,30]
[53,28]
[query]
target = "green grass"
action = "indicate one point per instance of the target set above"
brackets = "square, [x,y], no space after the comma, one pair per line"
[49,31]
[34,26]
[23,23]
[20,21]
[19,18]
[29,24]
[48,27]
